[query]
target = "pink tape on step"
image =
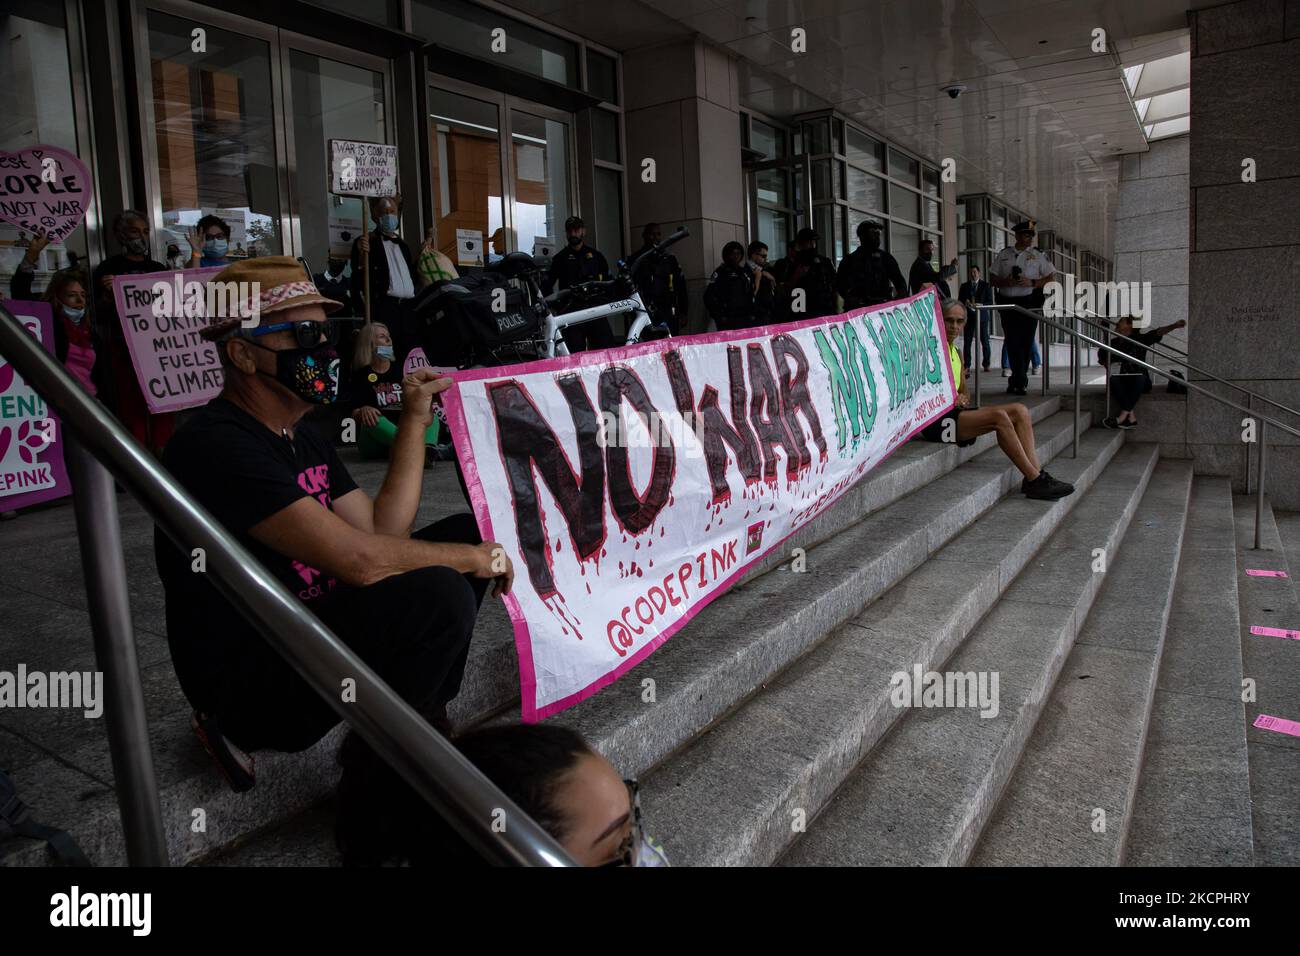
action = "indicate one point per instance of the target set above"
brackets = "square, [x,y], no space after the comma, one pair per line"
[1278,725]
[1261,573]
[1274,632]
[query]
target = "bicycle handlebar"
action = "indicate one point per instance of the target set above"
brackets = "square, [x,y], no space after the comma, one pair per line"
[677,236]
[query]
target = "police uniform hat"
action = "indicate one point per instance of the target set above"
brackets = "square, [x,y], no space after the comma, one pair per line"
[1025,225]
[574,222]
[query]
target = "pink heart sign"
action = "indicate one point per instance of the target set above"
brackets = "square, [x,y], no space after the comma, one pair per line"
[44,189]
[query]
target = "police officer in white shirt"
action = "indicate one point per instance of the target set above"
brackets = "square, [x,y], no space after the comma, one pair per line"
[1018,275]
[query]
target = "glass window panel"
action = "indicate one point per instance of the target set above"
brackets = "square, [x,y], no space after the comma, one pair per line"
[823,184]
[837,135]
[933,215]
[463,26]
[903,242]
[609,236]
[865,151]
[602,76]
[774,229]
[541,186]
[34,73]
[387,12]
[466,152]
[864,190]
[930,181]
[604,135]
[835,251]
[771,186]
[824,223]
[904,204]
[766,139]
[215,134]
[331,100]
[977,207]
[903,167]
[817,136]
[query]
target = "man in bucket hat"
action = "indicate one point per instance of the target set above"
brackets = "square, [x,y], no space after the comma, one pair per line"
[405,602]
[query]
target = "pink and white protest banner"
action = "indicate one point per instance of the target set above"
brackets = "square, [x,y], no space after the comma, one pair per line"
[31,437]
[162,314]
[633,486]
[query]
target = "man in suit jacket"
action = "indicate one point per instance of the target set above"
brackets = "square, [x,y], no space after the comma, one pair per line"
[974,293]
[392,268]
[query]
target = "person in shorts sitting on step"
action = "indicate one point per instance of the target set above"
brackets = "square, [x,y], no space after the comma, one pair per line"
[1010,422]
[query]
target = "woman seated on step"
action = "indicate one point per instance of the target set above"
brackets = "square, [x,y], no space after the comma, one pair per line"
[1130,381]
[1010,422]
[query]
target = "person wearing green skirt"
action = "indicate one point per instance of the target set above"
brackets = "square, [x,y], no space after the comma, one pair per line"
[377,393]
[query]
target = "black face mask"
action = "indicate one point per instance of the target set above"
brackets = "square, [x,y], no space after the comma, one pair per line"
[311,373]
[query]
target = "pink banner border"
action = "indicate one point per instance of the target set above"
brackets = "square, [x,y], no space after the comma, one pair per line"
[43,314]
[531,713]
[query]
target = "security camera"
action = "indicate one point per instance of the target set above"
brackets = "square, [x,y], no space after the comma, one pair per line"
[955,90]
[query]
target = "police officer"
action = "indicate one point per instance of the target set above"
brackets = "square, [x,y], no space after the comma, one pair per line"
[923,274]
[807,272]
[659,279]
[869,275]
[729,296]
[1018,275]
[577,263]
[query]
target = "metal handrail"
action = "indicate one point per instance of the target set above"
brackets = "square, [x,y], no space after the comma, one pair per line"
[1161,350]
[425,759]
[1263,420]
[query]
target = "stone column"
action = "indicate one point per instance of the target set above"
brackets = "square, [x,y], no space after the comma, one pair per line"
[683,111]
[1244,290]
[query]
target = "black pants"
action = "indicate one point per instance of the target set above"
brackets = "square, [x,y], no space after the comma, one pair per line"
[1127,389]
[1019,330]
[595,334]
[412,629]
[985,322]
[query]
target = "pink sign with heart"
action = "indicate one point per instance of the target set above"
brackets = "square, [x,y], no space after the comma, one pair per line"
[44,189]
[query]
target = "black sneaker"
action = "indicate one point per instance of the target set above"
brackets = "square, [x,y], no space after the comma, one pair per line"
[1046,488]
[1129,425]
[1051,477]
[235,765]
[1111,422]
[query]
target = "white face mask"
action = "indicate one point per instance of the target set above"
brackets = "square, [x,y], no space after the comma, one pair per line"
[385,351]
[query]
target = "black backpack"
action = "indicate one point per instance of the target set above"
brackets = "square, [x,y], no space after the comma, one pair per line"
[456,323]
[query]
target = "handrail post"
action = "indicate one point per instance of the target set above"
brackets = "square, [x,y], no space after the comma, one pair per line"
[979,357]
[1259,498]
[1104,357]
[1046,347]
[1078,391]
[95,504]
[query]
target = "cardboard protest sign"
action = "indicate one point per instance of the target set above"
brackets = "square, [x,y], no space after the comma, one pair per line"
[631,487]
[162,313]
[362,169]
[31,436]
[44,189]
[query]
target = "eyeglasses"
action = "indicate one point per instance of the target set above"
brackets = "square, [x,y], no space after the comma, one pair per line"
[631,847]
[307,333]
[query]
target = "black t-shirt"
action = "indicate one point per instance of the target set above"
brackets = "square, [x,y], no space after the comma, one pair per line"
[241,473]
[381,390]
[118,265]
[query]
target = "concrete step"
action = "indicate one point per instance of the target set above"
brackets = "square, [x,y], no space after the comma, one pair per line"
[739,642]
[732,796]
[1193,800]
[1288,529]
[923,795]
[304,840]
[1274,664]
[1086,750]
[289,783]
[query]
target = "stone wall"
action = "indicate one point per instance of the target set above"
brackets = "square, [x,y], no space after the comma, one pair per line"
[1244,282]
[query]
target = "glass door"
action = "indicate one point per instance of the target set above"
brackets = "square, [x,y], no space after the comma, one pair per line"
[778,204]
[212,123]
[466,175]
[540,170]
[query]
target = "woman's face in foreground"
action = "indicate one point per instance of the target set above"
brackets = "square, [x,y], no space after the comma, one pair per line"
[598,807]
